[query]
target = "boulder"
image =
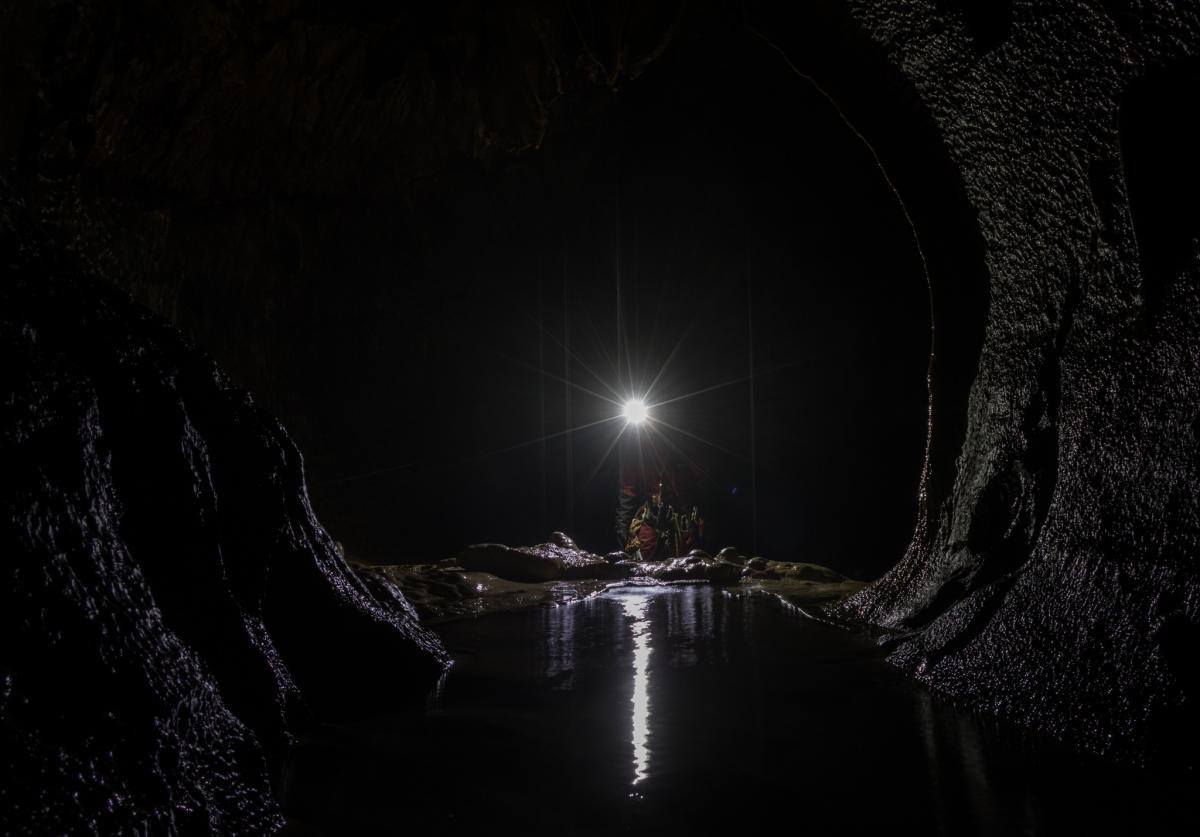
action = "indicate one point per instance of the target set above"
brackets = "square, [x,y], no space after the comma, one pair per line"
[558,559]
[689,569]
[513,563]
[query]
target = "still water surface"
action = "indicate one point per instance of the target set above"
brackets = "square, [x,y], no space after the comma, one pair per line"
[688,709]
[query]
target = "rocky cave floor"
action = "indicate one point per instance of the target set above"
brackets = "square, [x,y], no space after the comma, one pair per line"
[491,578]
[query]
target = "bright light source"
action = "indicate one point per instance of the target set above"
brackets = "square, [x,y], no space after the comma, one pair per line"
[635,411]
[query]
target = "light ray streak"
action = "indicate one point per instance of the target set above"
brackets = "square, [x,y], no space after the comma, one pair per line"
[691,435]
[559,378]
[678,345]
[724,384]
[671,356]
[600,380]
[641,454]
[628,355]
[416,463]
[713,388]
[547,438]
[662,291]
[683,454]
[603,458]
[599,342]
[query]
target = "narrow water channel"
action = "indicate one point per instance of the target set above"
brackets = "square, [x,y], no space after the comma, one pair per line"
[688,709]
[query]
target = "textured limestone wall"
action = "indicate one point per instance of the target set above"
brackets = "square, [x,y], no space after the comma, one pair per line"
[1058,584]
[164,573]
[170,607]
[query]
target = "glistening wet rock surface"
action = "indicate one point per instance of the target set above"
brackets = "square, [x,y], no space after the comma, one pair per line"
[444,591]
[1053,578]
[170,604]
[490,578]
[557,559]
[1058,583]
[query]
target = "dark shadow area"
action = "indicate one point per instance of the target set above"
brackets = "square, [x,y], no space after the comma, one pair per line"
[823,41]
[746,232]
[1162,173]
[987,21]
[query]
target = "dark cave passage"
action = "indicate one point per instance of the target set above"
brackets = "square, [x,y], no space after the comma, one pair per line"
[1162,175]
[323,509]
[720,219]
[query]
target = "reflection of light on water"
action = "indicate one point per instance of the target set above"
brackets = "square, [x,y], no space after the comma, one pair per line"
[559,625]
[636,607]
[434,699]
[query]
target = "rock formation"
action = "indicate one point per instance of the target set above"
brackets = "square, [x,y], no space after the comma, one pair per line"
[487,578]
[172,610]
[1055,580]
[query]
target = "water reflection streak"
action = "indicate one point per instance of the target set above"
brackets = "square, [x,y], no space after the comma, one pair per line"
[636,607]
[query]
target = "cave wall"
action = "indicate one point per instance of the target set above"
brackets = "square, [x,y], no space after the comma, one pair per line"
[172,611]
[1053,576]
[1057,583]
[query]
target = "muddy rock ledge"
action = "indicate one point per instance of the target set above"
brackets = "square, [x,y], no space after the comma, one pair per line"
[486,578]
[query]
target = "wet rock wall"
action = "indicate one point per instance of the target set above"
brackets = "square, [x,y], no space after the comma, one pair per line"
[1053,576]
[171,609]
[173,612]
[1057,584]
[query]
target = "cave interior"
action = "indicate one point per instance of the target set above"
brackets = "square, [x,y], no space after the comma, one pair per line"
[320,322]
